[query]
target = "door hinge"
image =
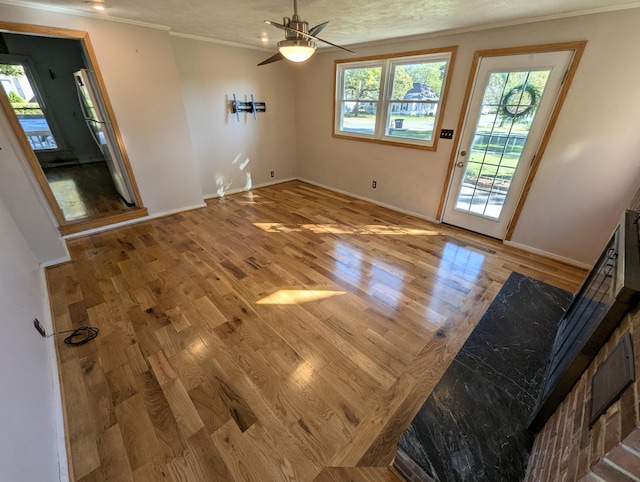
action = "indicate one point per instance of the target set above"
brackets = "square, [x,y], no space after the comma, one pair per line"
[565,77]
[533,159]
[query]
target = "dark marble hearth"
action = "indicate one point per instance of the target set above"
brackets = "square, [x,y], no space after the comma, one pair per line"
[473,427]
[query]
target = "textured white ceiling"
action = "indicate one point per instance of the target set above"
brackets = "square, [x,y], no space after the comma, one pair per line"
[351,22]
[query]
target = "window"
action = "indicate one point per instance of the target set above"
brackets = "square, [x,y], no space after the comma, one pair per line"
[19,86]
[395,100]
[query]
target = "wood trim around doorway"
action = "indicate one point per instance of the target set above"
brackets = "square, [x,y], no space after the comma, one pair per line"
[578,49]
[66,227]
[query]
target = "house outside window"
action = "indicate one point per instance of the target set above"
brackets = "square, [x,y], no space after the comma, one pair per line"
[393,99]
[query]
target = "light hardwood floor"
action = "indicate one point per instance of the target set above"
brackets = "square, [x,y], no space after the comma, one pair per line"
[269,336]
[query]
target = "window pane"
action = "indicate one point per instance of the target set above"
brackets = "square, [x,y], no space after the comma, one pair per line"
[509,105]
[27,107]
[359,117]
[419,81]
[392,98]
[362,83]
[418,85]
[412,120]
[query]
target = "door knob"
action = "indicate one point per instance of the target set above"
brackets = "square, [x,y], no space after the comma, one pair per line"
[460,164]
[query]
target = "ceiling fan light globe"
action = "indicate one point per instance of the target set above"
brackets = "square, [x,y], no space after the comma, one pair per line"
[297,50]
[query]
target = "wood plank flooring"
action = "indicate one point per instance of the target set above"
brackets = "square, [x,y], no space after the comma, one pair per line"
[268,336]
[84,191]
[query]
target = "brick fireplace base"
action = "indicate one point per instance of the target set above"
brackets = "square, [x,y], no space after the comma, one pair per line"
[567,449]
[619,463]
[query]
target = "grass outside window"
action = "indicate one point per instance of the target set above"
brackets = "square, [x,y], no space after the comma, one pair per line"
[394,99]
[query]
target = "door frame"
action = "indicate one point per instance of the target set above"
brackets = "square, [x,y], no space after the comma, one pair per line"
[578,49]
[66,227]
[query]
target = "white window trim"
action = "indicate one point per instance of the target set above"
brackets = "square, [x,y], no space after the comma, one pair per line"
[387,63]
[28,65]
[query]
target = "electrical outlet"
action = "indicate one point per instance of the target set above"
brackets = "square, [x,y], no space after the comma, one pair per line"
[39,327]
[374,184]
[273,173]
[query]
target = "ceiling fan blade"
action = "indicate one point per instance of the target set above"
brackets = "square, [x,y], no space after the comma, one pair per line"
[285,28]
[318,28]
[329,43]
[271,59]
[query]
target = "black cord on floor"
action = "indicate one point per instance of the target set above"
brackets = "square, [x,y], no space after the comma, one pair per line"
[79,336]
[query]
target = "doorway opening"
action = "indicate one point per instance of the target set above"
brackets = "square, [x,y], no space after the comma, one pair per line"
[512,101]
[55,100]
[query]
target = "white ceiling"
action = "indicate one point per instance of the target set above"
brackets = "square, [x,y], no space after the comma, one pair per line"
[351,22]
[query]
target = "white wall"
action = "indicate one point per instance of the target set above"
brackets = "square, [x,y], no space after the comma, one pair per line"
[28,445]
[22,197]
[234,155]
[141,77]
[587,176]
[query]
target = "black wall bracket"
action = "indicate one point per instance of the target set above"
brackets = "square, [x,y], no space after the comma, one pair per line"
[253,106]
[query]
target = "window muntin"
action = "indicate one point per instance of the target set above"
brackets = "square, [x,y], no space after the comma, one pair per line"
[392,99]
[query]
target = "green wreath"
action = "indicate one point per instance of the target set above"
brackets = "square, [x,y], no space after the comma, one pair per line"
[521,108]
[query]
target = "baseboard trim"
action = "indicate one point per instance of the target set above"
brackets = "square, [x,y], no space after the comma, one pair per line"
[372,201]
[523,247]
[245,189]
[546,254]
[61,439]
[134,221]
[176,211]
[54,262]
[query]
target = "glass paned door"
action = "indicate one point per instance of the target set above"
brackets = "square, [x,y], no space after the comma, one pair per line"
[508,112]
[508,107]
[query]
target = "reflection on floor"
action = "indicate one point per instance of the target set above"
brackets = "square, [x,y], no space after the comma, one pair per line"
[473,426]
[84,191]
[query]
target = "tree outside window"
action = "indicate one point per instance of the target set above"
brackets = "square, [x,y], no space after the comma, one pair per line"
[30,110]
[392,99]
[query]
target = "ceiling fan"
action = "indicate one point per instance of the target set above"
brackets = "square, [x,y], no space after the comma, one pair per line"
[299,43]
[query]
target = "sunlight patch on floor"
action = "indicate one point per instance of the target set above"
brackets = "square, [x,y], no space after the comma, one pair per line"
[304,373]
[292,297]
[68,198]
[251,198]
[345,229]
